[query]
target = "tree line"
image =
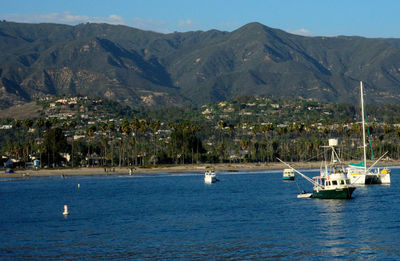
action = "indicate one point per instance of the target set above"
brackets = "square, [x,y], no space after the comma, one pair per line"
[146,142]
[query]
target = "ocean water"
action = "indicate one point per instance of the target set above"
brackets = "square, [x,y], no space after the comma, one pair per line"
[245,216]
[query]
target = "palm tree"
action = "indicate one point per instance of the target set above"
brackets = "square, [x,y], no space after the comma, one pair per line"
[125,130]
[244,144]
[54,121]
[144,125]
[72,125]
[90,133]
[198,129]
[47,125]
[135,126]
[155,126]
[39,124]
[103,128]
[183,127]
[111,128]
[171,126]
[28,123]
[18,125]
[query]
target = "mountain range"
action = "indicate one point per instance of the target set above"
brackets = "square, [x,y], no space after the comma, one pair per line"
[145,68]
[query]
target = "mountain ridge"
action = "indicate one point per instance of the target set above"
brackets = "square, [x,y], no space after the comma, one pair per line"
[145,68]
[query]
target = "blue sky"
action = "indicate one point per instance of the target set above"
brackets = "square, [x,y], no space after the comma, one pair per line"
[366,18]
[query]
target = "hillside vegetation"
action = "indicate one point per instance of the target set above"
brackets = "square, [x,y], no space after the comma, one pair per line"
[143,68]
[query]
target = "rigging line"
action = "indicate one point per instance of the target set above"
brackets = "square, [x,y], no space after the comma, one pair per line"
[369,141]
[314,157]
[369,136]
[350,156]
[298,187]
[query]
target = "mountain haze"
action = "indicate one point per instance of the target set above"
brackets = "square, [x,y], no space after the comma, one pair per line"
[138,67]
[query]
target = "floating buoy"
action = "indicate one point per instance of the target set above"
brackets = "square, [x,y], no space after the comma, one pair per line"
[79,185]
[65,210]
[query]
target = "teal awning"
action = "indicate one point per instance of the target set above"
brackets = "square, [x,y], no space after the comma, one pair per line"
[361,164]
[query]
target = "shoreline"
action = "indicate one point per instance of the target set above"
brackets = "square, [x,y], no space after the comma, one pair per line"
[88,171]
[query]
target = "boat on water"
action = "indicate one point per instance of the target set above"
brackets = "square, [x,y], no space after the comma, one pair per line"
[210,177]
[332,182]
[288,174]
[335,185]
[304,194]
[359,173]
[9,171]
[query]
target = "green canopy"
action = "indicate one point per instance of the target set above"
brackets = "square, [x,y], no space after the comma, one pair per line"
[361,164]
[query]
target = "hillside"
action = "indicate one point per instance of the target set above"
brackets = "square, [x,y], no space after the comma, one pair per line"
[142,68]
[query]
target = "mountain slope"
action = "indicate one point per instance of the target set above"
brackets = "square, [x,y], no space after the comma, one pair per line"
[146,68]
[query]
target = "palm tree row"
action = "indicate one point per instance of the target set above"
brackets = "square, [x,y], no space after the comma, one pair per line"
[141,142]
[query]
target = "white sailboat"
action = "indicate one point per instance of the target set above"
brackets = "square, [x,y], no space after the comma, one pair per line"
[360,174]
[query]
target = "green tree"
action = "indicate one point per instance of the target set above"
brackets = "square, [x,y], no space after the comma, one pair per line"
[90,133]
[40,124]
[112,128]
[61,145]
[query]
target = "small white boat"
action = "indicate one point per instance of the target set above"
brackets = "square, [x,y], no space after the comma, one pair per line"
[210,177]
[288,174]
[304,194]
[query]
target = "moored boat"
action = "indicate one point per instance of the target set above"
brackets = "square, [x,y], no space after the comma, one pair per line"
[288,174]
[359,173]
[210,177]
[332,182]
[304,194]
[333,186]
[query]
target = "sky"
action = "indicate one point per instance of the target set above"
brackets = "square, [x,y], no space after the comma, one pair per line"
[367,18]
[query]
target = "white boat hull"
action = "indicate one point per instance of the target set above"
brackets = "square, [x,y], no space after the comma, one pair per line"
[357,178]
[377,178]
[384,178]
[305,195]
[208,179]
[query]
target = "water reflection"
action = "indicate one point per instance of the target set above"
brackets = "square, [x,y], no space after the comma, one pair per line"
[333,226]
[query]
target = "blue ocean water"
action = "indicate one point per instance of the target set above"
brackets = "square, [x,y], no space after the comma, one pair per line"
[247,215]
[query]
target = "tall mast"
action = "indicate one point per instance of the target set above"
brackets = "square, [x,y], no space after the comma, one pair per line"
[363,127]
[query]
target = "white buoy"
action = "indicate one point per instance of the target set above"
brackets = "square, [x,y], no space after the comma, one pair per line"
[65,210]
[79,185]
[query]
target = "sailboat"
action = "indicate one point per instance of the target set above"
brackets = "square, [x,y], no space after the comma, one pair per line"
[359,173]
[332,182]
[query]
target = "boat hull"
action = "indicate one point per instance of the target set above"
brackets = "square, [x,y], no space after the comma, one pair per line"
[210,179]
[305,195]
[342,193]
[377,179]
[357,179]
[288,178]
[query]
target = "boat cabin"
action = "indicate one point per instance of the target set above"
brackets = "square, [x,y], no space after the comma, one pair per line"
[288,174]
[332,181]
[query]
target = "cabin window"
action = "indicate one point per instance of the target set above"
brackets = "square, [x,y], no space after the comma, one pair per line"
[334,182]
[328,183]
[342,182]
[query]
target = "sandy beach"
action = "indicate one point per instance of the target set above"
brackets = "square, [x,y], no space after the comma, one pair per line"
[84,171]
